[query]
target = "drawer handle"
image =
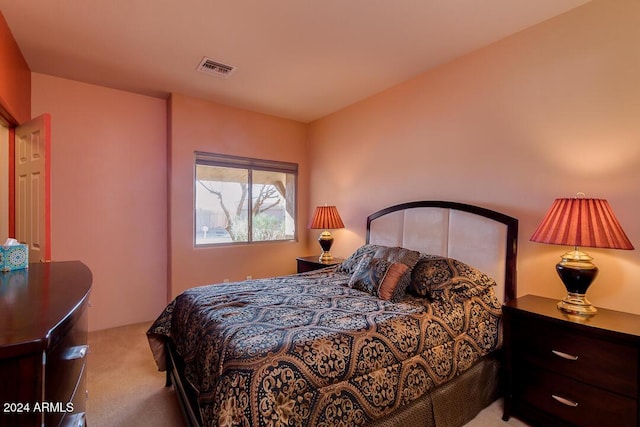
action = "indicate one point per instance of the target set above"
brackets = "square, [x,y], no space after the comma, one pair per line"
[77,352]
[76,420]
[565,401]
[564,355]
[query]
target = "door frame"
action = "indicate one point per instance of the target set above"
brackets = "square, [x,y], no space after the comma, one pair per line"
[7,119]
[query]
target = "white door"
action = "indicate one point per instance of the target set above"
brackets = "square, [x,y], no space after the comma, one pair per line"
[32,187]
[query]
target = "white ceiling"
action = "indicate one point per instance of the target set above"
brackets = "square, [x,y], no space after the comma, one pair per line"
[299,59]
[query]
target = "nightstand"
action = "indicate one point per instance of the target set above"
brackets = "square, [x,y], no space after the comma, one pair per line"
[310,263]
[562,371]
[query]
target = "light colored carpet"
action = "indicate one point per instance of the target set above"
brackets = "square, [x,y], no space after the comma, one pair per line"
[491,416]
[126,389]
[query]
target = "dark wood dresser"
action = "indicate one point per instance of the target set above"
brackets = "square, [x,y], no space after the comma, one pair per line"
[568,371]
[43,344]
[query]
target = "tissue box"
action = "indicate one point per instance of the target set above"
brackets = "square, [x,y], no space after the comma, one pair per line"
[14,257]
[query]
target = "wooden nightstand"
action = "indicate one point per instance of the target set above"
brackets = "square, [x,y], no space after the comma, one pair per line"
[562,371]
[310,263]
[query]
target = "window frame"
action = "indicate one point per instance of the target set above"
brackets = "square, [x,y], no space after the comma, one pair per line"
[249,164]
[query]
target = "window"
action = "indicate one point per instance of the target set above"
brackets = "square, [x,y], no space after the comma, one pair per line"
[243,200]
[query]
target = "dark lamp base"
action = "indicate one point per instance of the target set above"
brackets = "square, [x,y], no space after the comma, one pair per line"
[326,241]
[577,273]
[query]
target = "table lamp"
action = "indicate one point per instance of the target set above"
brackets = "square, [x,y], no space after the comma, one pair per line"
[576,222]
[325,218]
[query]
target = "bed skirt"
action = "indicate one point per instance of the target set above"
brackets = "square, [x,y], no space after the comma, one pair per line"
[454,403]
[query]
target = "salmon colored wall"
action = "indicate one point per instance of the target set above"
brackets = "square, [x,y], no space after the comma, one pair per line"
[543,114]
[109,194]
[197,125]
[15,78]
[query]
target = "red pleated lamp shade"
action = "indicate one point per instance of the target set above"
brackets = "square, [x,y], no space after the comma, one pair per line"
[326,218]
[582,222]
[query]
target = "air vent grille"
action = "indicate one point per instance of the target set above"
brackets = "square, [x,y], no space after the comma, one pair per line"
[216,68]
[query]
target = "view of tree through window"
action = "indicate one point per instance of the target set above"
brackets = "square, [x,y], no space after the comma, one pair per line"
[243,200]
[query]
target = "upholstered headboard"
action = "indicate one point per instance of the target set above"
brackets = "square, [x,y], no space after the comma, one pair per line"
[478,236]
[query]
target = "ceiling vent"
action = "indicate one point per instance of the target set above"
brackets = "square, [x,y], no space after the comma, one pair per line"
[216,68]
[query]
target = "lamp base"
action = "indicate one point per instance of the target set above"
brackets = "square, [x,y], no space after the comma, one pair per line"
[577,304]
[577,272]
[326,241]
[325,257]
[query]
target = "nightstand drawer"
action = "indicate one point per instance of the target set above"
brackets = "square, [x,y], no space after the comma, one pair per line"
[609,365]
[573,401]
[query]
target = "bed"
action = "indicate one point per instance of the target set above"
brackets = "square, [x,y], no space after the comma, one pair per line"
[407,331]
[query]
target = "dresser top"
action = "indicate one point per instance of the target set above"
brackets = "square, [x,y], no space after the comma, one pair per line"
[606,320]
[34,301]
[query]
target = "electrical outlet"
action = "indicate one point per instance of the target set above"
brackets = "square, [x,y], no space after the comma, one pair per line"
[249,277]
[225,281]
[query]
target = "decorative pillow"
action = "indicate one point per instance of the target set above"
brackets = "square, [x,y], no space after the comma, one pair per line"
[395,254]
[378,277]
[349,265]
[440,277]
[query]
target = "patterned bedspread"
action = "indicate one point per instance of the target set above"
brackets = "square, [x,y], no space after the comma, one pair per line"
[308,350]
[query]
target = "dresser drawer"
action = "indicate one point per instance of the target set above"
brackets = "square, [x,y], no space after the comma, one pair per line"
[64,366]
[572,401]
[563,350]
[65,370]
[77,418]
